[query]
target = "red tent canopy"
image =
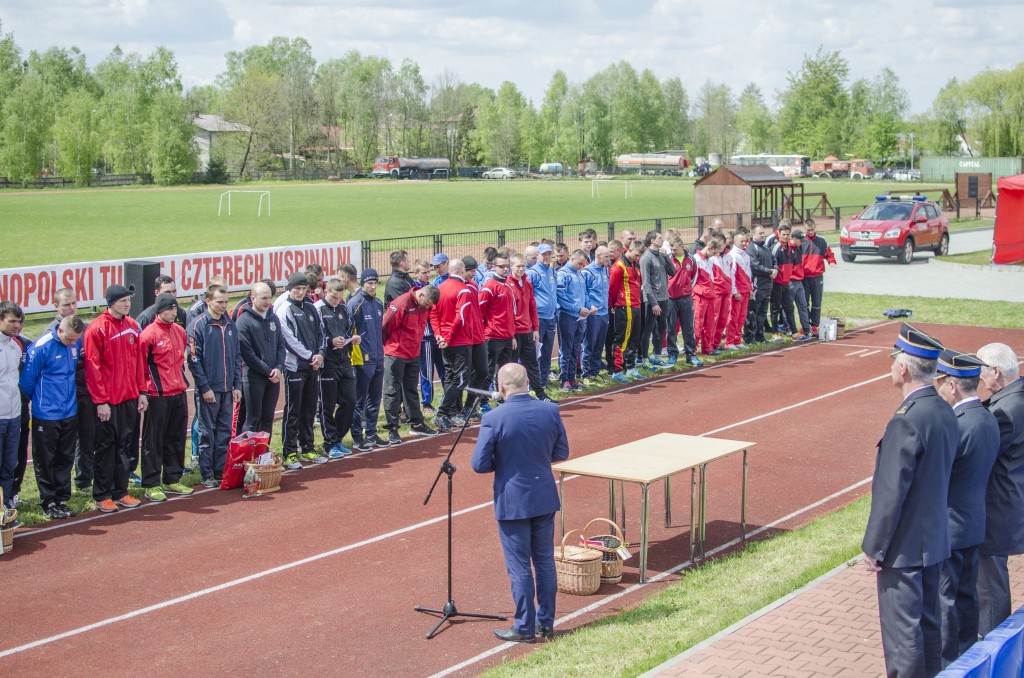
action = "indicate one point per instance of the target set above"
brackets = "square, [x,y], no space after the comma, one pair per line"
[1009,235]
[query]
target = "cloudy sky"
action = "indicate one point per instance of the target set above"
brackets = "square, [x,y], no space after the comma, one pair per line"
[488,42]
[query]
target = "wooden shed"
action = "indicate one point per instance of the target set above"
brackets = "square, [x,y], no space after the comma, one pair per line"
[734,190]
[972,187]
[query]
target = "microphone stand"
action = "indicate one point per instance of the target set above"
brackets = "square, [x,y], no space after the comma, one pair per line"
[449,610]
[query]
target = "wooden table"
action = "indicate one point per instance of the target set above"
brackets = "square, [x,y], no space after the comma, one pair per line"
[659,457]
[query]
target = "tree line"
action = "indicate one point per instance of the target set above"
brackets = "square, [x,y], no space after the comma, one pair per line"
[130,114]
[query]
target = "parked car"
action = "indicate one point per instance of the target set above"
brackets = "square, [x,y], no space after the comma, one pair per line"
[896,226]
[499,173]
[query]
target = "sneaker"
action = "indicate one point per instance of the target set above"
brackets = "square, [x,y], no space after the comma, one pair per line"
[742,347]
[212,482]
[134,479]
[177,488]
[361,446]
[654,360]
[715,352]
[670,361]
[422,429]
[777,338]
[314,458]
[485,408]
[16,501]
[442,423]
[731,347]
[553,378]
[458,421]
[107,506]
[803,337]
[567,386]
[694,361]
[577,386]
[544,398]
[377,441]
[68,512]
[473,416]
[620,378]
[428,410]
[291,462]
[127,501]
[587,381]
[338,451]
[634,374]
[155,494]
[53,512]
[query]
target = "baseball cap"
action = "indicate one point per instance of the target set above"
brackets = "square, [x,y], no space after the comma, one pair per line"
[543,248]
[439,259]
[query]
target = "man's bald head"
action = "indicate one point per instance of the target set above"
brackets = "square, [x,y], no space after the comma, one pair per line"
[457,267]
[512,379]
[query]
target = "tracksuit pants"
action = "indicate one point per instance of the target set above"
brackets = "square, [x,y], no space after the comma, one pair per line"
[680,314]
[401,376]
[782,308]
[653,330]
[814,288]
[705,321]
[337,403]
[609,341]
[464,366]
[724,315]
[627,337]
[545,346]
[571,331]
[530,563]
[369,389]
[499,352]
[757,314]
[430,362]
[86,443]
[10,435]
[23,438]
[526,355]
[215,433]
[113,451]
[300,403]
[163,439]
[593,345]
[53,456]
[796,290]
[260,396]
[737,319]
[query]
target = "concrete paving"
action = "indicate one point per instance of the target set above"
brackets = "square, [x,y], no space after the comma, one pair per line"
[926,277]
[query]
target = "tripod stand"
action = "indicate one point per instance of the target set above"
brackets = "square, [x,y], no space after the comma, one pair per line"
[449,610]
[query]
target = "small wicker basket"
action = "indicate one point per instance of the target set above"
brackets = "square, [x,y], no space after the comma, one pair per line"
[270,474]
[840,319]
[7,536]
[578,568]
[608,545]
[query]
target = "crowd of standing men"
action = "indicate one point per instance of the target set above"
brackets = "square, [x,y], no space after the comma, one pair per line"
[947,503]
[109,396]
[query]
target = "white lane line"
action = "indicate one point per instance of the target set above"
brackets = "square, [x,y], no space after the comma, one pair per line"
[287,566]
[869,353]
[857,352]
[661,575]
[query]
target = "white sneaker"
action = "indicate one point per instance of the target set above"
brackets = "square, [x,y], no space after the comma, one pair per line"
[731,347]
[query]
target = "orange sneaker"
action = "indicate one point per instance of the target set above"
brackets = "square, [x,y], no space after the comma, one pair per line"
[128,501]
[107,506]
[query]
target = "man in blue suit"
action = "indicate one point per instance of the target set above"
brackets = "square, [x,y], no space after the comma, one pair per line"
[518,443]
[976,452]
[907,536]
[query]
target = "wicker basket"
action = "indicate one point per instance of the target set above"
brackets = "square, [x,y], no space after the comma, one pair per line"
[270,474]
[7,535]
[608,545]
[840,319]
[578,568]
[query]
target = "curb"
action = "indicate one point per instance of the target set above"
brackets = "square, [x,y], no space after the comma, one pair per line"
[994,268]
[751,618]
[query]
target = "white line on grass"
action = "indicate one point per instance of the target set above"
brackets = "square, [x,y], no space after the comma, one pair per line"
[366,542]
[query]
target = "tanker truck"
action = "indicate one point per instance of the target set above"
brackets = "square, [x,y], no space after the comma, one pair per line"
[653,162]
[402,168]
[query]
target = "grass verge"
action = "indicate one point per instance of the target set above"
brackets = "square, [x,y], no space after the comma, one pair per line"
[926,309]
[706,600]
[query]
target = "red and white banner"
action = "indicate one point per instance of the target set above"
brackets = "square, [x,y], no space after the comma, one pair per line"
[33,287]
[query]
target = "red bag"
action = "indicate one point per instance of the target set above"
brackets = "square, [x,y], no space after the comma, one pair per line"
[241,449]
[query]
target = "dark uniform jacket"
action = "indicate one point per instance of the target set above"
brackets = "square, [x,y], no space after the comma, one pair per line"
[336,322]
[979,445]
[908,525]
[1004,501]
[261,343]
[761,264]
[399,282]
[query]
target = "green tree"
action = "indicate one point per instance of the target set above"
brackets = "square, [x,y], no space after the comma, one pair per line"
[77,137]
[550,127]
[171,151]
[814,106]
[754,121]
[25,131]
[945,122]
[499,131]
[677,126]
[715,120]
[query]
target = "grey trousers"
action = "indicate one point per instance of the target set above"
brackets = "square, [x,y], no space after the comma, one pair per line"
[908,612]
[993,592]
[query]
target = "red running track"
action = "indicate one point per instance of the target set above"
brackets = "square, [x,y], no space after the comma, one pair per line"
[323,575]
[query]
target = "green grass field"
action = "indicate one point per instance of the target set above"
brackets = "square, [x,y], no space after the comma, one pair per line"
[62,226]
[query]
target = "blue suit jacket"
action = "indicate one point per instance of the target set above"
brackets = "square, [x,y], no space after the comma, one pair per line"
[518,442]
[975,455]
[909,521]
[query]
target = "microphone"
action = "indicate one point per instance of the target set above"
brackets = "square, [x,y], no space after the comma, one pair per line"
[487,395]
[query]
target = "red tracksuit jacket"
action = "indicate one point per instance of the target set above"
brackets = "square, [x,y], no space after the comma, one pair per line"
[526,305]
[498,309]
[403,325]
[455,318]
[680,283]
[705,284]
[114,368]
[163,350]
[624,284]
[815,253]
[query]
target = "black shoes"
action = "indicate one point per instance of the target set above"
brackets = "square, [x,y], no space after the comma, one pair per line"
[511,636]
[546,631]
[377,441]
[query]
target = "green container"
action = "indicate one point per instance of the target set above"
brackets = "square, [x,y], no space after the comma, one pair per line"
[936,168]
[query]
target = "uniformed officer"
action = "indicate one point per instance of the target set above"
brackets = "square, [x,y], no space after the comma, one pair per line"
[1004,498]
[957,384]
[907,536]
